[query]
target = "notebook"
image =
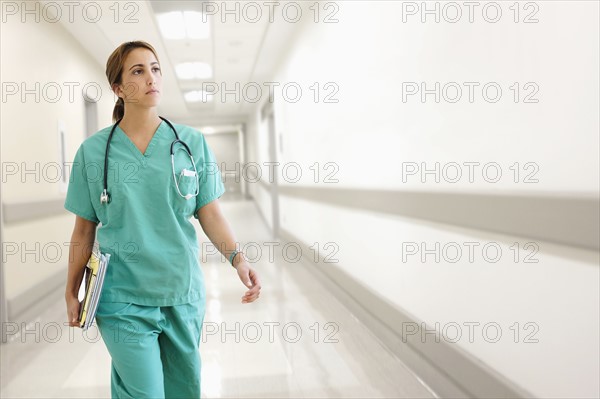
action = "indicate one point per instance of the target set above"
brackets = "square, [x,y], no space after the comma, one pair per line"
[95,271]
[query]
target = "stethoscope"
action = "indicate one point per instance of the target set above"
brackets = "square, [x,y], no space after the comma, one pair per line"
[105,197]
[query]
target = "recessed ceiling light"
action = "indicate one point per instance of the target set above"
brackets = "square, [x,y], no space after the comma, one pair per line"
[235,43]
[198,96]
[184,24]
[193,70]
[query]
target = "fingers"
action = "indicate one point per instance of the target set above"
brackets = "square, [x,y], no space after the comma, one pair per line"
[72,320]
[252,281]
[250,297]
[252,294]
[73,315]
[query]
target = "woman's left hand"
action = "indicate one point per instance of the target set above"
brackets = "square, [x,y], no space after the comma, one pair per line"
[249,277]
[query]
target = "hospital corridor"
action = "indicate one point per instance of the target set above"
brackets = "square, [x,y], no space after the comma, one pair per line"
[300,199]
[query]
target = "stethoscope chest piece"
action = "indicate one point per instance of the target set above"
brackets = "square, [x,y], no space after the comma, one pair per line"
[104,197]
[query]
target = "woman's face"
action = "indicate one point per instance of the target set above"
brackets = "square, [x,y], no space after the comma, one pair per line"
[141,79]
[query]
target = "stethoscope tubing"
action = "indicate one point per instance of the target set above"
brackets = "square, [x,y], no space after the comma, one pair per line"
[105,196]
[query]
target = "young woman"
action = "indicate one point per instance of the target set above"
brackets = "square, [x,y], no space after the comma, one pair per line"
[143,178]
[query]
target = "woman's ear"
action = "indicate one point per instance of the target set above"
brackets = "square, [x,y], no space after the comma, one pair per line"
[117,90]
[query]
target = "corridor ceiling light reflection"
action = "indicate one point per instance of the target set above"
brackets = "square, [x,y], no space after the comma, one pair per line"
[184,25]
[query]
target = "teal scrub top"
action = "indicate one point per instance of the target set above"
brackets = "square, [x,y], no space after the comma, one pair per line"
[146,227]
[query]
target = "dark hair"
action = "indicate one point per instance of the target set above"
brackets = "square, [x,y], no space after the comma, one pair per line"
[114,70]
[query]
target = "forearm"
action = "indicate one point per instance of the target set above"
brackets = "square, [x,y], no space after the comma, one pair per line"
[217,229]
[219,232]
[80,249]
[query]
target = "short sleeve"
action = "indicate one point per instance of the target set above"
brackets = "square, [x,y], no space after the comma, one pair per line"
[78,199]
[209,177]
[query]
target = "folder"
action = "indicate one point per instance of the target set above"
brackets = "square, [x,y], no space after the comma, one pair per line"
[95,271]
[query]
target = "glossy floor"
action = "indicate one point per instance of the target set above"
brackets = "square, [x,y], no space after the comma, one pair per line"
[296,340]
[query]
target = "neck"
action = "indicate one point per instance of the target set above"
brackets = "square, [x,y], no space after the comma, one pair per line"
[140,122]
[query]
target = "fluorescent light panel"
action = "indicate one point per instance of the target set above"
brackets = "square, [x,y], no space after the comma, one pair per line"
[183,24]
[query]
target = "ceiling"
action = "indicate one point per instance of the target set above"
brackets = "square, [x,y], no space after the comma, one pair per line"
[241,51]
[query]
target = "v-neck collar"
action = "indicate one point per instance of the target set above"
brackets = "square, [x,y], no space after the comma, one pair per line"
[136,151]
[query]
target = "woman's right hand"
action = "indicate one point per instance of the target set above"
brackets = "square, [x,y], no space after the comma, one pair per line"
[73,306]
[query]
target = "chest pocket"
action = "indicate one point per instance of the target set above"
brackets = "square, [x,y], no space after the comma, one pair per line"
[187,180]
[112,214]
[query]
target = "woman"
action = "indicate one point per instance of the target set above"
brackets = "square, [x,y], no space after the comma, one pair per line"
[152,305]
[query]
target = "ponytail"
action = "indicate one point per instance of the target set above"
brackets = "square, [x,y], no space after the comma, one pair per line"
[119,110]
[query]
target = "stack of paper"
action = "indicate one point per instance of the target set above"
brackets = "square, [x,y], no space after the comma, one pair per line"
[94,278]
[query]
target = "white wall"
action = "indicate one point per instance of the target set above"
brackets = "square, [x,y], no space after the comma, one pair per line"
[225,147]
[258,143]
[371,131]
[29,137]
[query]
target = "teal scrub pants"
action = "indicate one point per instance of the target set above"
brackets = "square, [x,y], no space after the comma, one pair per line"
[154,350]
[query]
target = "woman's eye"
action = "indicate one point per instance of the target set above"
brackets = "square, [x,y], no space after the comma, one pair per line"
[141,70]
